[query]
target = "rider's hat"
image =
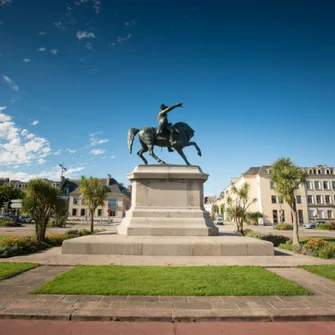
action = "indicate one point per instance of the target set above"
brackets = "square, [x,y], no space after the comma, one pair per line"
[163,106]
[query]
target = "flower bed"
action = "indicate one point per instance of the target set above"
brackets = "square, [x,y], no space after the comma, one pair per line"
[16,246]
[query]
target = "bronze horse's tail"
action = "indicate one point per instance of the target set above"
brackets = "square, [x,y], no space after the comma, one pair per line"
[131,134]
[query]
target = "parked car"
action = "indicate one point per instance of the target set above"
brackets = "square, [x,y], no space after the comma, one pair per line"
[25,219]
[219,220]
[310,225]
[7,217]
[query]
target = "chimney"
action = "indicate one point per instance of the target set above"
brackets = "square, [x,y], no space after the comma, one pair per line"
[108,179]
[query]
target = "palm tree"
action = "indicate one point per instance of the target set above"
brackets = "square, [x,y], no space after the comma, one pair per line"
[286,178]
[94,194]
[238,203]
[41,202]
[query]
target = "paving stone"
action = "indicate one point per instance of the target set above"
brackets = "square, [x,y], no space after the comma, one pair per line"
[288,305]
[127,305]
[46,314]
[112,298]
[192,305]
[172,299]
[236,299]
[318,305]
[220,315]
[203,299]
[40,297]
[123,315]
[224,305]
[92,305]
[31,304]
[255,305]
[305,315]
[265,299]
[158,305]
[141,298]
[82,298]
[296,298]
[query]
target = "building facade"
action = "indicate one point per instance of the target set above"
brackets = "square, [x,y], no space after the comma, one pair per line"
[315,199]
[116,205]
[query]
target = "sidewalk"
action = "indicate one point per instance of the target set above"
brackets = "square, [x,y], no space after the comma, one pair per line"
[17,303]
[54,256]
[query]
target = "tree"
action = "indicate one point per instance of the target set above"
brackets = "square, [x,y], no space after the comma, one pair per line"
[41,202]
[9,193]
[222,208]
[237,205]
[286,178]
[215,209]
[94,194]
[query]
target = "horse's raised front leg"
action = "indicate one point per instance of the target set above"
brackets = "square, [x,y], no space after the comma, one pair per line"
[140,153]
[152,154]
[181,153]
[195,145]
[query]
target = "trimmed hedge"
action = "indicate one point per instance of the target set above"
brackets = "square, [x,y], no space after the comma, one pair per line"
[326,226]
[283,226]
[9,223]
[275,239]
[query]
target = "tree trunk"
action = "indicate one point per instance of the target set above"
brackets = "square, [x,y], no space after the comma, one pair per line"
[92,223]
[295,240]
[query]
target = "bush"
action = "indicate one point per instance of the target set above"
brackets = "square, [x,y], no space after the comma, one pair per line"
[15,246]
[284,226]
[275,239]
[286,246]
[251,233]
[326,226]
[9,223]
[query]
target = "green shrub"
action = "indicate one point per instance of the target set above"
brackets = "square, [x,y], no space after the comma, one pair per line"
[9,223]
[275,239]
[283,226]
[286,246]
[326,226]
[251,233]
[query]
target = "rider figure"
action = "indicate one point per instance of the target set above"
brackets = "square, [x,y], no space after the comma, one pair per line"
[163,123]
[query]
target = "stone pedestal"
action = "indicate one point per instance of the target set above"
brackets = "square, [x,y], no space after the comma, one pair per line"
[167,200]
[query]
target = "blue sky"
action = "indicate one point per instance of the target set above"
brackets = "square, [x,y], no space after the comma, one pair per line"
[256,78]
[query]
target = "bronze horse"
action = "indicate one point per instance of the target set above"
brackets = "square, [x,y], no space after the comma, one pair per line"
[148,139]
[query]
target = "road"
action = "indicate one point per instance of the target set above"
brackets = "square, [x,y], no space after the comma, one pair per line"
[37,327]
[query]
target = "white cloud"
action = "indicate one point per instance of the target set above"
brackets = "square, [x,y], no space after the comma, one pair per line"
[5,2]
[41,161]
[130,23]
[2,108]
[58,152]
[112,156]
[42,33]
[123,39]
[59,25]
[96,152]
[95,141]
[89,45]
[71,151]
[84,34]
[27,60]
[20,146]
[41,49]
[96,5]
[53,173]
[54,51]
[11,83]
[35,123]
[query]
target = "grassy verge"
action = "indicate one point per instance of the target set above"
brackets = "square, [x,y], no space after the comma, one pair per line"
[171,281]
[327,271]
[8,270]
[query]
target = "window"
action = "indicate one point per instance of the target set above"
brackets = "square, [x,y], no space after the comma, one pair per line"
[333,184]
[82,212]
[308,185]
[311,214]
[111,213]
[317,185]
[300,216]
[320,214]
[275,216]
[298,199]
[327,197]
[74,211]
[310,199]
[75,201]
[325,185]
[273,199]
[282,216]
[99,212]
[319,199]
[330,214]
[272,186]
[281,201]
[83,201]
[111,203]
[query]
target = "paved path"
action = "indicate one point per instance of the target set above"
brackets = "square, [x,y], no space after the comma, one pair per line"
[33,327]
[54,256]
[16,302]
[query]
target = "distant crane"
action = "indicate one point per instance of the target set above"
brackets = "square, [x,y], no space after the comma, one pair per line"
[63,170]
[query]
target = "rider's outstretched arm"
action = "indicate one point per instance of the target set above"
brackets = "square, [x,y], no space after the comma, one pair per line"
[169,109]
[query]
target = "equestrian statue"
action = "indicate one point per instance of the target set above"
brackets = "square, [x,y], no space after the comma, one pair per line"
[166,135]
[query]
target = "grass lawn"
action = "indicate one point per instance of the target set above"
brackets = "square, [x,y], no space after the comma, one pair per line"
[8,270]
[327,271]
[184,281]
